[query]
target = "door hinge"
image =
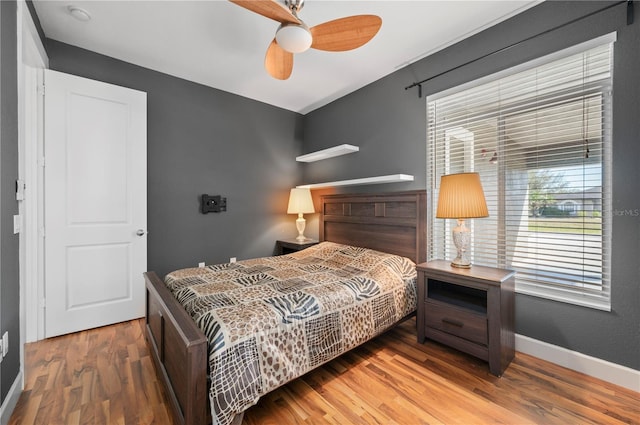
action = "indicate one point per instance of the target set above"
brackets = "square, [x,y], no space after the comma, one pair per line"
[41,162]
[40,90]
[41,232]
[43,303]
[20,188]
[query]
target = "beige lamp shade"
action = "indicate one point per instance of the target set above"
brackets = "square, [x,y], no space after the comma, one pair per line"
[461,196]
[300,202]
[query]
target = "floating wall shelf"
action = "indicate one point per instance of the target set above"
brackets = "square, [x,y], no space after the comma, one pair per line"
[327,153]
[393,178]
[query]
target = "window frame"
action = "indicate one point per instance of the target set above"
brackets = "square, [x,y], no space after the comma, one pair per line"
[568,295]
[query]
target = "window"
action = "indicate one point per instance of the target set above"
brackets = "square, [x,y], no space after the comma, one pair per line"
[539,136]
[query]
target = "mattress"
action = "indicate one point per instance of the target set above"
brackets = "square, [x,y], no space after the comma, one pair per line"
[270,320]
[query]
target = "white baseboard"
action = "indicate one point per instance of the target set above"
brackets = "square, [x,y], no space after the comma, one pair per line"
[11,400]
[592,366]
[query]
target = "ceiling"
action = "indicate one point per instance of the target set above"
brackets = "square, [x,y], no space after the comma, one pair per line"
[221,45]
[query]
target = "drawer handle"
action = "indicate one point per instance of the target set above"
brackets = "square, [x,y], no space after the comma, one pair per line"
[453,322]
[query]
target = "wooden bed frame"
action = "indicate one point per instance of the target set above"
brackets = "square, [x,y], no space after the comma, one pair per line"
[390,222]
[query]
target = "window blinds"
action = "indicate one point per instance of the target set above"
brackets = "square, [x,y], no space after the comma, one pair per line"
[540,137]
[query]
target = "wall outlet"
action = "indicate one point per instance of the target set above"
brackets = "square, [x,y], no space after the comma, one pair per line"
[5,343]
[201,264]
[232,259]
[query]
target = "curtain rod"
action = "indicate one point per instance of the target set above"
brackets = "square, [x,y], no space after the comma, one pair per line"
[629,22]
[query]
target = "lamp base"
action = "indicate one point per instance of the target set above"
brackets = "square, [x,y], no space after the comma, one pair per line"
[300,225]
[461,239]
[460,265]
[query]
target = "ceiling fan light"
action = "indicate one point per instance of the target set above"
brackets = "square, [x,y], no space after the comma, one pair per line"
[294,38]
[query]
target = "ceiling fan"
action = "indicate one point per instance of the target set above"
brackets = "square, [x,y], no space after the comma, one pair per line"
[294,36]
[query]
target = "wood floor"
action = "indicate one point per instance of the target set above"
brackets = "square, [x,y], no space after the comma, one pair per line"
[105,376]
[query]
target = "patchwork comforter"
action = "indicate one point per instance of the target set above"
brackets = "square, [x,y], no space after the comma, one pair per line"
[270,320]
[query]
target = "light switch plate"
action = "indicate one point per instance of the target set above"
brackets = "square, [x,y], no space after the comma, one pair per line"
[17,224]
[5,343]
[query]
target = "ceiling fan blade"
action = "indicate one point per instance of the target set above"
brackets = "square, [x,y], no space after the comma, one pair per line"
[268,8]
[278,62]
[345,33]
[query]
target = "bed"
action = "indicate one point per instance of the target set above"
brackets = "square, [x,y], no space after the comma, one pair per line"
[279,317]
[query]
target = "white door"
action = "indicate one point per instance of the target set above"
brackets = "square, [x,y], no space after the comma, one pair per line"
[95,203]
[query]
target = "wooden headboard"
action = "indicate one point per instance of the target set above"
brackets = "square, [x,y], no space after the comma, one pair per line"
[388,222]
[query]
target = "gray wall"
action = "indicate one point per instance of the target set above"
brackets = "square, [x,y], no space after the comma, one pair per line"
[9,249]
[388,123]
[202,140]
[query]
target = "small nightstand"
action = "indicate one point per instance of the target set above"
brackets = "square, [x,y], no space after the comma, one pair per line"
[471,310]
[287,246]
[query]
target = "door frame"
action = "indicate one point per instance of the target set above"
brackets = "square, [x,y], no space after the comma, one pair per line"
[31,52]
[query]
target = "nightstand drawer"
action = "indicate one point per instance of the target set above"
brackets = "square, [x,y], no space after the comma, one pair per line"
[456,321]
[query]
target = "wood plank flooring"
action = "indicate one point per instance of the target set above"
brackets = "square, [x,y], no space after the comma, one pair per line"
[105,376]
[99,376]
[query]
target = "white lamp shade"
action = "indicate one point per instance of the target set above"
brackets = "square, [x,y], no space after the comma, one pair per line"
[461,196]
[300,202]
[294,38]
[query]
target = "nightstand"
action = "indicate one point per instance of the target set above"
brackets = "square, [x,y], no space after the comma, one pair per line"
[287,246]
[471,310]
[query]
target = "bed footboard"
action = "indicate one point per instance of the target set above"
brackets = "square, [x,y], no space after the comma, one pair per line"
[179,350]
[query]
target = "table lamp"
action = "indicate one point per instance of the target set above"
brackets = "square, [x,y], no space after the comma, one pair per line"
[300,202]
[461,197]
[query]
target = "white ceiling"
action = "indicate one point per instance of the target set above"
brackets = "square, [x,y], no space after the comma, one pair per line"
[221,45]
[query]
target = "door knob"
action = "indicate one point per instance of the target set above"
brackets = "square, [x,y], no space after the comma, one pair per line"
[141,232]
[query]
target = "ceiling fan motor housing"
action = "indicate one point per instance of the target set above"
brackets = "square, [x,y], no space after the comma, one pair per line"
[294,5]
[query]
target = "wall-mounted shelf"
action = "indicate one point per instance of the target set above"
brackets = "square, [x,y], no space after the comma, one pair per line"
[327,153]
[393,178]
